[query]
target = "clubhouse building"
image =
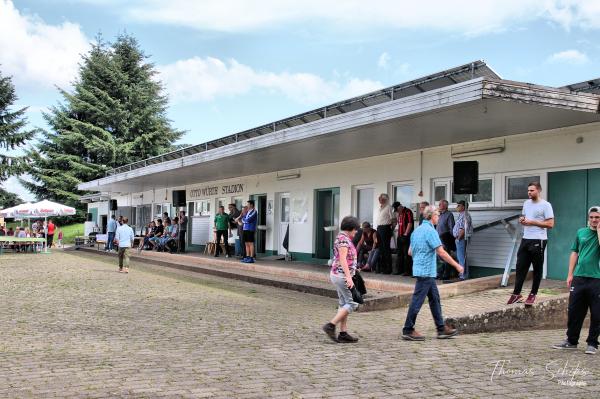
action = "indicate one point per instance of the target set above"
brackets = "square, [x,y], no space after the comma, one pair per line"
[308,171]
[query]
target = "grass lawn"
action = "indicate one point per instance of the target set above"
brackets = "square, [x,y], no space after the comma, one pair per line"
[69,231]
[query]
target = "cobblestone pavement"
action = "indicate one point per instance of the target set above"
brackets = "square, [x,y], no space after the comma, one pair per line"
[71,326]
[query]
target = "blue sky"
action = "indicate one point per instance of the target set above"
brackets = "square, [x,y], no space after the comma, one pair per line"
[232,65]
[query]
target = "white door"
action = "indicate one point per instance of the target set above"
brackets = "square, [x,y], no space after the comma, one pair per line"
[284,220]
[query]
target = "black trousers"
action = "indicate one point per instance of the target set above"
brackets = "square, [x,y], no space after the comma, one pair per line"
[182,234]
[585,293]
[403,261]
[385,254]
[225,235]
[531,252]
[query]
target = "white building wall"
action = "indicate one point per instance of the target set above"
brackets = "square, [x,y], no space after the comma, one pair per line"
[528,154]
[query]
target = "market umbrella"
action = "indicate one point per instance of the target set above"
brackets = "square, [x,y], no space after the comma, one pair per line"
[19,211]
[47,208]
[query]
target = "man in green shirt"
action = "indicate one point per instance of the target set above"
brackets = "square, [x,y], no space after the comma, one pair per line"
[222,228]
[584,284]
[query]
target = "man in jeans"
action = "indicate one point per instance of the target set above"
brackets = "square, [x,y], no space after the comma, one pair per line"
[463,229]
[537,217]
[111,229]
[583,281]
[124,237]
[425,244]
[183,223]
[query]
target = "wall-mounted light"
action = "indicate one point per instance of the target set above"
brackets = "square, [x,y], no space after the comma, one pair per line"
[469,150]
[288,176]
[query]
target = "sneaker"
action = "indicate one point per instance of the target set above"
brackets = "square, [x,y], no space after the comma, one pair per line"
[329,329]
[120,270]
[447,332]
[591,350]
[227,256]
[244,259]
[530,300]
[216,255]
[514,298]
[413,336]
[126,270]
[250,260]
[344,337]
[565,345]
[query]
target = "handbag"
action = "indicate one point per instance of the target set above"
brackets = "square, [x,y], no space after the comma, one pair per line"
[356,296]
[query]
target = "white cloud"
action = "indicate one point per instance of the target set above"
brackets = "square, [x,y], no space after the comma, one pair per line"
[574,57]
[36,53]
[383,61]
[204,79]
[461,16]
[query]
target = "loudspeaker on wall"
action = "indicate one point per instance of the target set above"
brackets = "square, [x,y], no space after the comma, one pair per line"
[179,198]
[466,177]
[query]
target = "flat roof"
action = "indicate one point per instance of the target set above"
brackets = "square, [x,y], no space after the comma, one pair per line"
[413,87]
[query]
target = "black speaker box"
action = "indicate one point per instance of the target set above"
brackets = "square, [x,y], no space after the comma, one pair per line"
[113,205]
[466,177]
[179,198]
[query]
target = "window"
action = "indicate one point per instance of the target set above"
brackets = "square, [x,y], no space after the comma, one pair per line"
[239,202]
[439,192]
[202,208]
[404,194]
[364,204]
[484,194]
[516,187]
[222,202]
[285,209]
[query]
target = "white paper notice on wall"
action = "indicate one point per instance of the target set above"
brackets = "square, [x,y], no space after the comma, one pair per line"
[300,209]
[201,230]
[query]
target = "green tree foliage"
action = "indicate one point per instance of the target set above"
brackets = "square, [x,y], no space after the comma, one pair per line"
[12,132]
[8,199]
[115,115]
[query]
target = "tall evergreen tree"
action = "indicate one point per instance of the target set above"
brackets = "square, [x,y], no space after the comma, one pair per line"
[12,132]
[115,115]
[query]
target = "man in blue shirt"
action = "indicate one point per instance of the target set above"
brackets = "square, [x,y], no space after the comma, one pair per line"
[124,238]
[249,231]
[424,246]
[111,230]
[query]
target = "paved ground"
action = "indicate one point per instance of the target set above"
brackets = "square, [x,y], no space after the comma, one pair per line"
[73,327]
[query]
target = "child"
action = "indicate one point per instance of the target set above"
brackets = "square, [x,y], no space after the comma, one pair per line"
[60,237]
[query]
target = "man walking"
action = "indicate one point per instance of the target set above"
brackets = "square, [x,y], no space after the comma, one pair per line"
[537,217]
[583,281]
[405,228]
[124,238]
[249,221]
[463,229]
[222,229]
[444,229]
[385,227]
[111,229]
[183,223]
[425,244]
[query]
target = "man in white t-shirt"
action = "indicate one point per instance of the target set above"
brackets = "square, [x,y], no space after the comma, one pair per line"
[124,238]
[537,217]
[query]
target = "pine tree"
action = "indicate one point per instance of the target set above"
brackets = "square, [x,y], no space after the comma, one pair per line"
[12,133]
[8,199]
[115,115]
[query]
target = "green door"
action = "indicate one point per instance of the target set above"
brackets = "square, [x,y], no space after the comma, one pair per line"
[327,205]
[571,193]
[260,202]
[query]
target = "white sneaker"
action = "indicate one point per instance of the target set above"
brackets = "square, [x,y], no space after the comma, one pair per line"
[591,350]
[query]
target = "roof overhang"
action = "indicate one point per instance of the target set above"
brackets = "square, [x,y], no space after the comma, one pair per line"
[477,109]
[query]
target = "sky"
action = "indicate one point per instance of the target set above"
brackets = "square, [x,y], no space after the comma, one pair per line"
[231,65]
